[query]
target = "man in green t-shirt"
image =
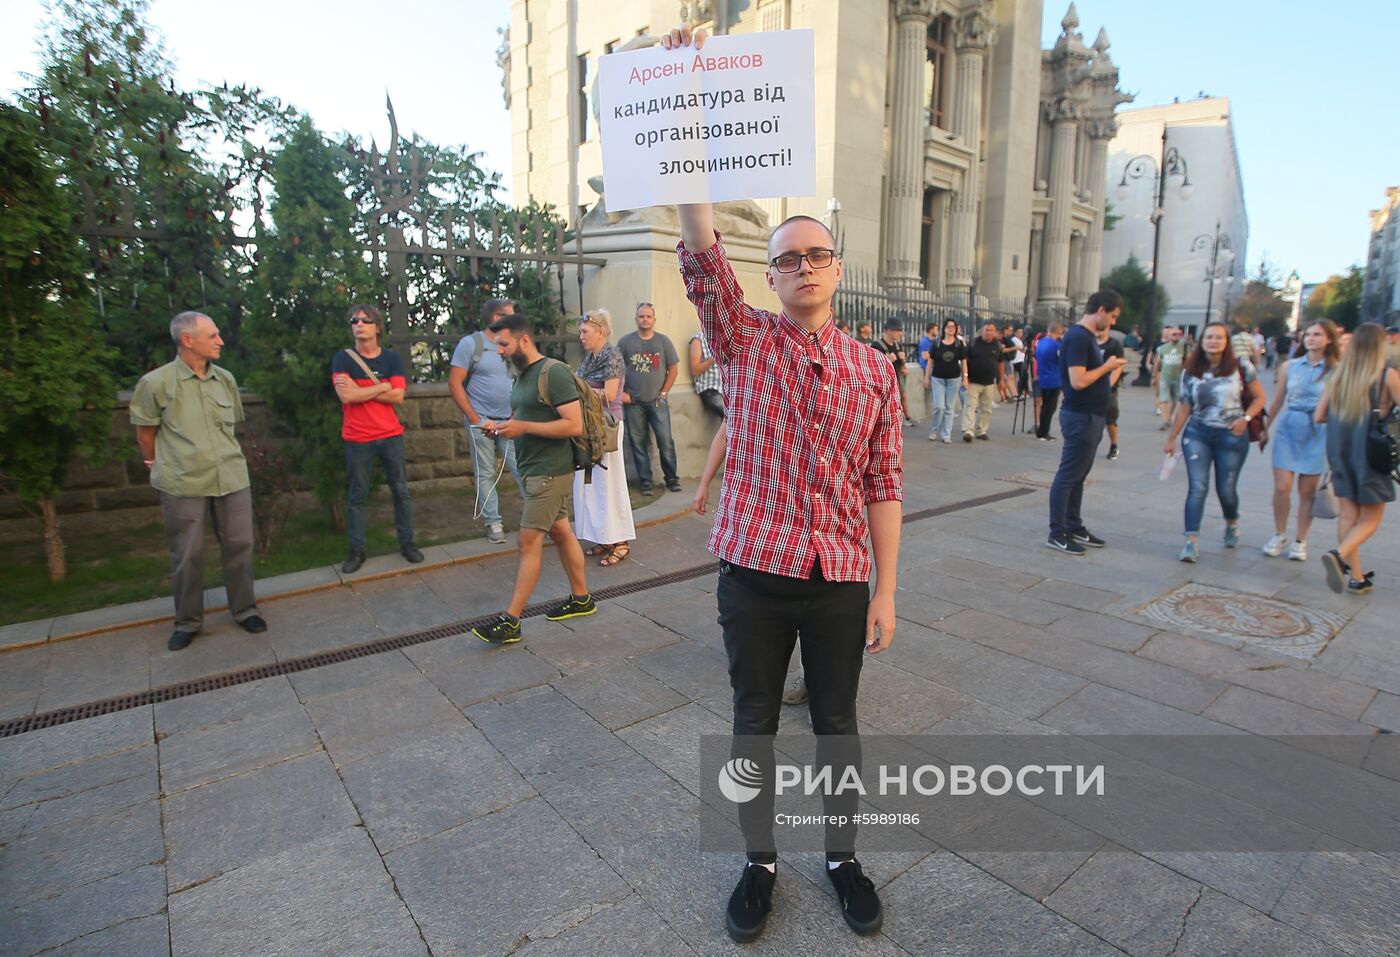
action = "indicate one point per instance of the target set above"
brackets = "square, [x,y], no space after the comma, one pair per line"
[1166,373]
[543,434]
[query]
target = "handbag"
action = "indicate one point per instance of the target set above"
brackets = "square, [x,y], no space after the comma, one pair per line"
[1257,426]
[1382,447]
[1325,500]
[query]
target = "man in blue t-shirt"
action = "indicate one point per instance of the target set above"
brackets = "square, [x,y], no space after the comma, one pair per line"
[480,383]
[1085,380]
[1047,368]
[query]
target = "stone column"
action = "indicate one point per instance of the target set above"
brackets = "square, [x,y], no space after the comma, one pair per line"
[1063,114]
[905,185]
[1099,130]
[974,33]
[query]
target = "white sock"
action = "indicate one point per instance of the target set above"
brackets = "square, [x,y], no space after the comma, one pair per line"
[832,865]
[772,868]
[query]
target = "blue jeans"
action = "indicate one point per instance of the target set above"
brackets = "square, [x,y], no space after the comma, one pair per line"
[1081,433]
[942,399]
[1202,446]
[359,463]
[486,452]
[641,419]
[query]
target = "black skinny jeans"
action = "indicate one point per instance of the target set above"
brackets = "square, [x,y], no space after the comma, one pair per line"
[762,616]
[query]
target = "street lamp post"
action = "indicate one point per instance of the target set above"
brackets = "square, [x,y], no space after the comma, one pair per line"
[1172,165]
[1221,241]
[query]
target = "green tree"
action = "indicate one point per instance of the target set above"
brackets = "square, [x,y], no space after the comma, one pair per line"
[55,391]
[1338,299]
[1131,282]
[1261,304]
[310,270]
[136,148]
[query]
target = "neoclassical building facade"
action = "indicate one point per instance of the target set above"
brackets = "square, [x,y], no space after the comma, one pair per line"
[1380,285]
[955,156]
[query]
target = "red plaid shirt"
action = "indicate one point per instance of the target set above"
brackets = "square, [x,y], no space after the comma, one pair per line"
[814,432]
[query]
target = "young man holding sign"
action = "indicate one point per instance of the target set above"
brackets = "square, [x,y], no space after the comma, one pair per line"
[814,452]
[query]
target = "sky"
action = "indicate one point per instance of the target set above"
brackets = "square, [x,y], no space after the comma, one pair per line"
[1313,90]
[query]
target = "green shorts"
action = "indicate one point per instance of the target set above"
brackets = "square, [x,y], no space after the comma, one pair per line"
[547,499]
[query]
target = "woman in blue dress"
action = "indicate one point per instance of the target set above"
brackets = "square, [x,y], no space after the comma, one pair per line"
[1300,444]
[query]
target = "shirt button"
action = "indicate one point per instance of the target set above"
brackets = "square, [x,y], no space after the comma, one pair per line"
[816,495]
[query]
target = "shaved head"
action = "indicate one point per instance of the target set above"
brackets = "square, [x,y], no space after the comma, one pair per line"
[773,238]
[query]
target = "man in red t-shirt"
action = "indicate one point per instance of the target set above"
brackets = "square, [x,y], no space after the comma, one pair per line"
[370,381]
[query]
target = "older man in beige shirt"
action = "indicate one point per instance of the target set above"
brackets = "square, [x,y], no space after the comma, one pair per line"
[184,413]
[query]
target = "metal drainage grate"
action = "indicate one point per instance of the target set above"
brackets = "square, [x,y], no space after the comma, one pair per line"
[94,709]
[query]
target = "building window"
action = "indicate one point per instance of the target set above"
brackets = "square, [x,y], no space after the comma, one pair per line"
[936,44]
[610,46]
[583,98]
[927,237]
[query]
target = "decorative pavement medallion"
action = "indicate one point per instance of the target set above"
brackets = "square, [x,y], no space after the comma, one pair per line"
[1040,478]
[1264,623]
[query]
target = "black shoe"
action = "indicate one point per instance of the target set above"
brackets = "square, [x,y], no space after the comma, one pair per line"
[967,436]
[353,561]
[1066,544]
[180,640]
[1360,586]
[673,486]
[860,905]
[1087,538]
[501,630]
[572,607]
[750,903]
[985,437]
[1113,453]
[1337,570]
[646,488]
[411,553]
[254,625]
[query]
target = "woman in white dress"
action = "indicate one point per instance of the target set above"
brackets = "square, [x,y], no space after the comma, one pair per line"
[603,508]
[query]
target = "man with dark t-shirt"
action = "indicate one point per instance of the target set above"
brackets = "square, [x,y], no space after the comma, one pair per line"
[984,356]
[369,381]
[1085,378]
[892,345]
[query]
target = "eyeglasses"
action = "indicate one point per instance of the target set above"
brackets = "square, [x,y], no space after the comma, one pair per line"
[791,262]
[364,320]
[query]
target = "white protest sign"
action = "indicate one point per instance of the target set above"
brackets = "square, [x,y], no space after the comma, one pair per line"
[734,120]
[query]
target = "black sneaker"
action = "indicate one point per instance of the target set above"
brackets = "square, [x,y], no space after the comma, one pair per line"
[1066,544]
[646,488]
[1088,539]
[860,905]
[572,607]
[750,903]
[984,437]
[501,630]
[353,561]
[673,486]
[411,553]
[254,625]
[1337,571]
[1360,586]
[1113,453]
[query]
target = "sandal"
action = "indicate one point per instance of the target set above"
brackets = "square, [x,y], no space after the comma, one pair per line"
[597,550]
[618,553]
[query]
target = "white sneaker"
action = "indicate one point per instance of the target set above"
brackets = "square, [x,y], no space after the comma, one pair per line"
[1274,548]
[496,533]
[1298,552]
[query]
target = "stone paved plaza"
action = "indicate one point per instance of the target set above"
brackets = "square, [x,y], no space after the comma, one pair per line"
[455,799]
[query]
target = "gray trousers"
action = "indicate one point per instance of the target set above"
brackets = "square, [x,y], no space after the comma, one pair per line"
[232,516]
